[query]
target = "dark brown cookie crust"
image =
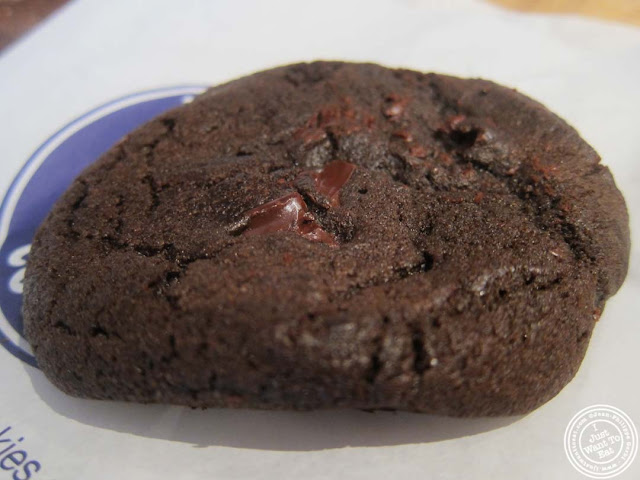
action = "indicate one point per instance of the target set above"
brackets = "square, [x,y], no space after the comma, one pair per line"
[477,240]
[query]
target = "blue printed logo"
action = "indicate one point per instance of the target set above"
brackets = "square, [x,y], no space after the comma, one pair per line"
[46,175]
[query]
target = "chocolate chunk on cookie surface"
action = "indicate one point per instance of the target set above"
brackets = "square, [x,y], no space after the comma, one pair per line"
[332,235]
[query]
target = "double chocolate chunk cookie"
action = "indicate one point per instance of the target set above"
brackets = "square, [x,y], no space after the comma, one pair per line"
[332,235]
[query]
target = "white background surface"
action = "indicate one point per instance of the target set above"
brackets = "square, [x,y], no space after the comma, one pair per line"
[94,51]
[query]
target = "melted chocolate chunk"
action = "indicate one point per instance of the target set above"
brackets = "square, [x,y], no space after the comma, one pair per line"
[287,213]
[332,178]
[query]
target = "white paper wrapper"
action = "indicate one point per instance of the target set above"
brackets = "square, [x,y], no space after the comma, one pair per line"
[94,52]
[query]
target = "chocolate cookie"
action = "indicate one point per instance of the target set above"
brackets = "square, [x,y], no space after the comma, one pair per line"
[332,235]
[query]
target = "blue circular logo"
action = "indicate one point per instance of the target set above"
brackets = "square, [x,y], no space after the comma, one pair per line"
[47,174]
